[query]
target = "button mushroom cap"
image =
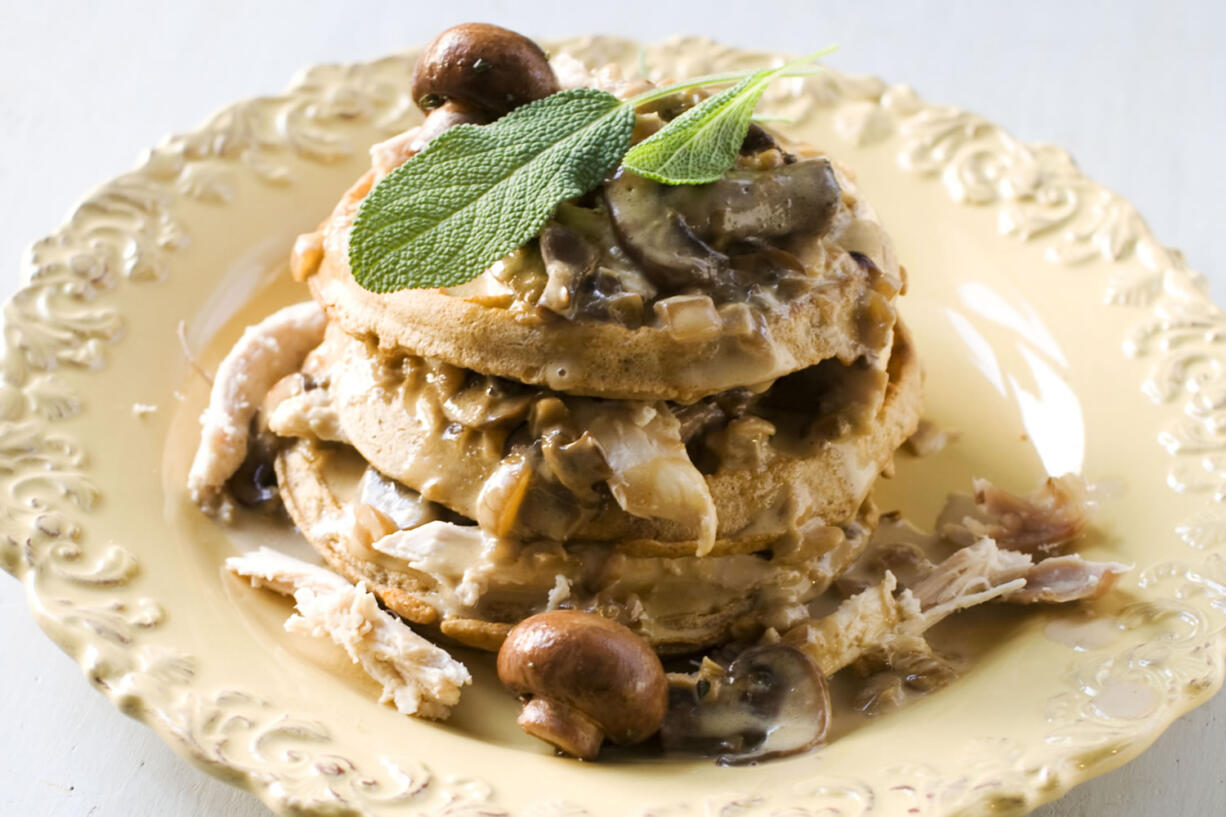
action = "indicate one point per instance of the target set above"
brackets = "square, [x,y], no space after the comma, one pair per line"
[584,678]
[482,66]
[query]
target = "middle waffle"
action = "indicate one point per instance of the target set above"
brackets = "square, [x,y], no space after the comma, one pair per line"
[737,472]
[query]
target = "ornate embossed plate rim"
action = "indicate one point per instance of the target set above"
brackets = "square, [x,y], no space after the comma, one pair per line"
[127,231]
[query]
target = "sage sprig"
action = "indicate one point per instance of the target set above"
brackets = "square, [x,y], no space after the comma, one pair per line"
[700,145]
[477,192]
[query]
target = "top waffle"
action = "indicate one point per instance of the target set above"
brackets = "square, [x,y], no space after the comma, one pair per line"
[649,292]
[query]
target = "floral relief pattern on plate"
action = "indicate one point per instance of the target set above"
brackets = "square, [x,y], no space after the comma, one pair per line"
[90,593]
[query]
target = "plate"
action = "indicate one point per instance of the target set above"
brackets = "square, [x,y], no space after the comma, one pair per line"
[1057,335]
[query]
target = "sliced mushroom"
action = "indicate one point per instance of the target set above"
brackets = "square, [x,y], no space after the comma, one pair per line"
[576,462]
[757,139]
[484,402]
[752,204]
[568,260]
[679,234]
[521,499]
[772,701]
[744,443]
[657,237]
[404,507]
[483,66]
[583,678]
[254,484]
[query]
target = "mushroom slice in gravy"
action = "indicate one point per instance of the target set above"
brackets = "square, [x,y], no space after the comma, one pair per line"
[771,701]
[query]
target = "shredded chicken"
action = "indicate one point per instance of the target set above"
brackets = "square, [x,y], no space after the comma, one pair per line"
[928,439]
[1040,523]
[861,624]
[284,574]
[560,593]
[307,413]
[985,565]
[906,662]
[879,693]
[267,351]
[912,659]
[874,619]
[449,553]
[1067,578]
[969,572]
[418,677]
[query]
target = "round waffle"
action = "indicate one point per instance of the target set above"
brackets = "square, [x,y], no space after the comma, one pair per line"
[473,589]
[407,433]
[846,313]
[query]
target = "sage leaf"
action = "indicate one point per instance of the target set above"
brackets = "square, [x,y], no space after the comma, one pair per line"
[476,193]
[700,145]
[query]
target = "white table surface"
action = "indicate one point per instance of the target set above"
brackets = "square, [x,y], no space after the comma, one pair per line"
[1133,89]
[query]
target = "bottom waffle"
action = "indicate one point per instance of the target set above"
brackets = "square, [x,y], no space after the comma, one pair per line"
[436,569]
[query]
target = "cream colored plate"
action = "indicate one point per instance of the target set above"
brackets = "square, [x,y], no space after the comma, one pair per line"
[1057,334]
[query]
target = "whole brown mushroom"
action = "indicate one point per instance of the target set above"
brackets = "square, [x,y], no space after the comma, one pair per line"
[482,67]
[584,678]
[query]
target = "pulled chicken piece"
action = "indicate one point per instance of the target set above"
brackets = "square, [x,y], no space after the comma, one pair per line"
[929,439]
[872,619]
[905,663]
[1063,579]
[985,566]
[283,574]
[418,677]
[861,624]
[267,352]
[1039,524]
[298,407]
[968,573]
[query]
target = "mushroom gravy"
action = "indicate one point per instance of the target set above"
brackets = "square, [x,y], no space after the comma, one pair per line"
[686,259]
[699,261]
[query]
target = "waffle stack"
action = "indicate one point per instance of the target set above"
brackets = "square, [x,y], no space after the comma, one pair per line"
[668,410]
